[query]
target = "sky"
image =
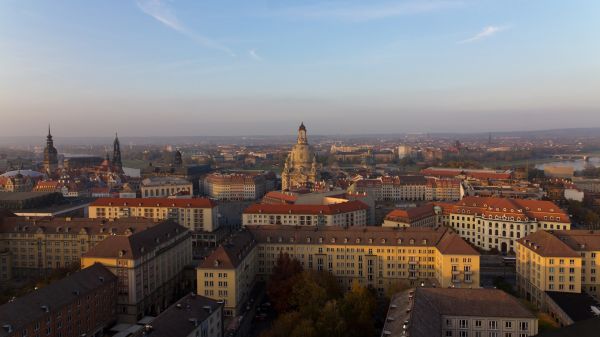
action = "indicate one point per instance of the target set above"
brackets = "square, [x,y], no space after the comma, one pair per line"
[250,67]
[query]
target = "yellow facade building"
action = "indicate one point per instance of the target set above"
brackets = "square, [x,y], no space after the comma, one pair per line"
[31,245]
[199,215]
[558,261]
[377,257]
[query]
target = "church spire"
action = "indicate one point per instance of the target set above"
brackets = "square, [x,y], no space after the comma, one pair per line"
[118,164]
[302,139]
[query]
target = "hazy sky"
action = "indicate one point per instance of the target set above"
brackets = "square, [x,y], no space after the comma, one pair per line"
[231,67]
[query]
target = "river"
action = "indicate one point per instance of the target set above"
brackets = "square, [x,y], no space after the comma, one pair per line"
[578,165]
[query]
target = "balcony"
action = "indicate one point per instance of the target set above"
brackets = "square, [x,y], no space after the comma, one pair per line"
[412,262]
[455,272]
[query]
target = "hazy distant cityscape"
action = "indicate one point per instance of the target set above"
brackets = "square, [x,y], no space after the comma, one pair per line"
[330,168]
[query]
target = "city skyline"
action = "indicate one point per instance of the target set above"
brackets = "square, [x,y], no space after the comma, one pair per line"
[259,68]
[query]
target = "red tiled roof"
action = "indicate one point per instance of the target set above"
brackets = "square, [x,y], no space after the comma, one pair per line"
[411,214]
[547,244]
[284,197]
[155,202]
[479,174]
[343,207]
[517,208]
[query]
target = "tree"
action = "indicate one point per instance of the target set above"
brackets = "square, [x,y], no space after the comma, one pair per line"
[330,322]
[357,310]
[283,326]
[308,296]
[282,281]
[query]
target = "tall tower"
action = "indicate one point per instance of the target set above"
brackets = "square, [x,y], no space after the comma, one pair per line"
[50,155]
[117,163]
[302,134]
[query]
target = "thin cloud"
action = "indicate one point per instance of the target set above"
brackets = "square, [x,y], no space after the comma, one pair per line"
[485,33]
[254,55]
[161,12]
[341,10]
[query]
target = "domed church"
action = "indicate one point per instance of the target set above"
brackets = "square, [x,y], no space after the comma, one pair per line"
[301,170]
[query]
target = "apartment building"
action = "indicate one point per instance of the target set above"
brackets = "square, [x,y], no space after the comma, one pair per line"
[164,187]
[452,312]
[33,245]
[421,216]
[375,256]
[199,215]
[149,267]
[496,223]
[192,316]
[229,273]
[558,261]
[235,186]
[410,188]
[345,214]
[81,304]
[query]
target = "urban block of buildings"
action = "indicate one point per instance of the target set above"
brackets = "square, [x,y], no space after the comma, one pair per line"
[149,266]
[199,215]
[558,261]
[81,304]
[469,312]
[344,214]
[496,223]
[375,256]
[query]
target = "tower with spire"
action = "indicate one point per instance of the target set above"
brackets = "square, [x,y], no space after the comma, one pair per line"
[117,163]
[50,155]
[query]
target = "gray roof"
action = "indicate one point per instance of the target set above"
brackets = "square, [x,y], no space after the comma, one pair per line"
[178,319]
[474,302]
[137,244]
[26,309]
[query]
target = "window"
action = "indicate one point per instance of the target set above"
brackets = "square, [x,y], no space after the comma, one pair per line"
[493,325]
[523,326]
[464,324]
[508,324]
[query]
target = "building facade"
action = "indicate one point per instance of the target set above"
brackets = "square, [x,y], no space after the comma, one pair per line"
[496,223]
[344,214]
[35,245]
[235,186]
[229,273]
[377,257]
[301,170]
[559,261]
[149,268]
[164,187]
[199,215]
[81,304]
[452,312]
[410,188]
